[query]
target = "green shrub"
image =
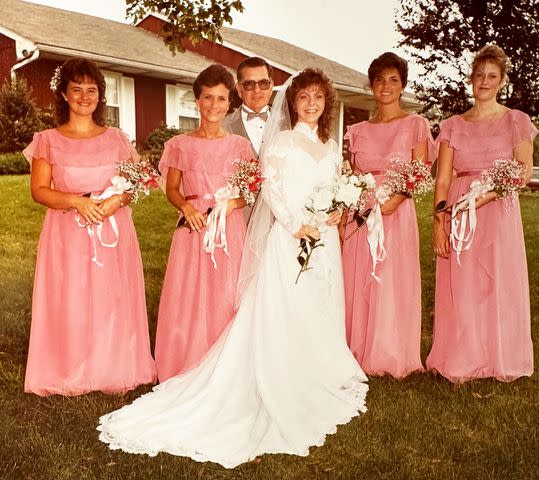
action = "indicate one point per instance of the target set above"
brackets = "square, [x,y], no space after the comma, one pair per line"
[19,116]
[13,164]
[47,116]
[154,144]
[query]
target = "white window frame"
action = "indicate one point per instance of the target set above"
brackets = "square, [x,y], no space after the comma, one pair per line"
[174,95]
[125,103]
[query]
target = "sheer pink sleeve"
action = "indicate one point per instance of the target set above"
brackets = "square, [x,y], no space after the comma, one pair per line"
[446,134]
[38,148]
[522,127]
[172,157]
[421,133]
[352,137]
[128,150]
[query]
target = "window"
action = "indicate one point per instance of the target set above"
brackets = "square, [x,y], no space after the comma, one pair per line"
[182,111]
[113,99]
[120,110]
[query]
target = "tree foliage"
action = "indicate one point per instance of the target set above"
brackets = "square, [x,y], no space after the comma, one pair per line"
[191,20]
[443,35]
[19,116]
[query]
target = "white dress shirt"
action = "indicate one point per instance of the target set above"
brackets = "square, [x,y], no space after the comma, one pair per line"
[254,127]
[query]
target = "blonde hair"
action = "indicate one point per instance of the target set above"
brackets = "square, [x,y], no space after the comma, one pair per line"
[493,54]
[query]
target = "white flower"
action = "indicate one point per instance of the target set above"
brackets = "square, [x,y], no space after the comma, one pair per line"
[354,179]
[321,198]
[383,194]
[368,178]
[348,195]
[121,183]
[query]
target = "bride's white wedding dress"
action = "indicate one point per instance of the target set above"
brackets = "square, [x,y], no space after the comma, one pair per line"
[281,377]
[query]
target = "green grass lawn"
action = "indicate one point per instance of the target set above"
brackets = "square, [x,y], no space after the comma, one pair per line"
[422,427]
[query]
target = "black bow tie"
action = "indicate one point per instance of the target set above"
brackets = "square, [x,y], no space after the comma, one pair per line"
[251,115]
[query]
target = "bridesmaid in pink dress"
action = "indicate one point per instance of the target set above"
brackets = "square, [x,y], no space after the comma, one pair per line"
[89,326]
[482,310]
[383,320]
[198,299]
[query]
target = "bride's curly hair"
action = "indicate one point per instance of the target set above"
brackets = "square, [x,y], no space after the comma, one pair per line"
[307,78]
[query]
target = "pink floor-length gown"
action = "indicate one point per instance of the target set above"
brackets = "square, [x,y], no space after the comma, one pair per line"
[482,309]
[89,324]
[383,320]
[198,300]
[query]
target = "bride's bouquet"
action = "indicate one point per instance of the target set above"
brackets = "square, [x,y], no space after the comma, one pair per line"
[346,191]
[505,177]
[244,182]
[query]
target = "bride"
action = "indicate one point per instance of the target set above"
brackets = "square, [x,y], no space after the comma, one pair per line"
[281,376]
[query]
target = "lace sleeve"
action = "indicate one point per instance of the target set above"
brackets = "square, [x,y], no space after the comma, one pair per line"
[272,192]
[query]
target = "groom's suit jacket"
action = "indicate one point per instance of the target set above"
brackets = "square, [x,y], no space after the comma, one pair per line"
[233,123]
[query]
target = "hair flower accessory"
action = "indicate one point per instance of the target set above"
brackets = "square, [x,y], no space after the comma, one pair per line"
[56,78]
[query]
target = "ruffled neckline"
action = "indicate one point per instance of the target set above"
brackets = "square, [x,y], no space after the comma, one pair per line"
[95,137]
[485,121]
[311,134]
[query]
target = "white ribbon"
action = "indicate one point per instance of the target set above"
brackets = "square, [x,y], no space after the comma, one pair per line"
[119,185]
[465,207]
[375,238]
[215,235]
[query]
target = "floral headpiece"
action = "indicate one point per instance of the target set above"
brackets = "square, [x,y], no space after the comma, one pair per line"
[56,78]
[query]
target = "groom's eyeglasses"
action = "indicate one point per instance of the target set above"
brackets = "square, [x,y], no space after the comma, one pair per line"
[249,85]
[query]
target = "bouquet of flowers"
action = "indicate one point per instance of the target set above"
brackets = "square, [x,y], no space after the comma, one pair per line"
[412,179]
[349,190]
[137,178]
[505,177]
[134,178]
[246,181]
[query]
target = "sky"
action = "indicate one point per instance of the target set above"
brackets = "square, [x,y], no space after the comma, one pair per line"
[351,32]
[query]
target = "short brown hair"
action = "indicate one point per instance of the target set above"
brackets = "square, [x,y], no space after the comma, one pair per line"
[385,61]
[75,70]
[253,62]
[211,77]
[493,54]
[307,78]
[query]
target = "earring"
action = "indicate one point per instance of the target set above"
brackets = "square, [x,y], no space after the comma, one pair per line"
[64,96]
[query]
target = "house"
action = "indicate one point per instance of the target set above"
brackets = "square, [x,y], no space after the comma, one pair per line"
[146,85]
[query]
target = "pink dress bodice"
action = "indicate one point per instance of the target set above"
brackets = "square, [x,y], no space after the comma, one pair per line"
[81,165]
[206,164]
[375,144]
[477,144]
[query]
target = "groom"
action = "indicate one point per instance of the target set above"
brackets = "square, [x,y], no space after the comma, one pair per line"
[254,87]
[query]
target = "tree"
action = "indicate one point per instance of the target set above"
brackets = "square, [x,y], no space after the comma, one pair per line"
[188,20]
[19,116]
[443,35]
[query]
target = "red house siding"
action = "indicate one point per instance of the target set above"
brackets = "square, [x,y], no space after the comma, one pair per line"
[150,105]
[8,57]
[38,74]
